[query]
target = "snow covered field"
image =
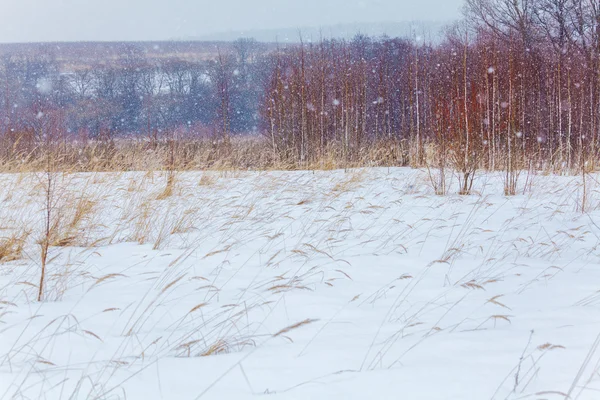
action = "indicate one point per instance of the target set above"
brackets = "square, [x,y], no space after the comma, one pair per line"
[300,285]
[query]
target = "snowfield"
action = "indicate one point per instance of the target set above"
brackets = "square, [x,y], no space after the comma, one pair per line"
[357,284]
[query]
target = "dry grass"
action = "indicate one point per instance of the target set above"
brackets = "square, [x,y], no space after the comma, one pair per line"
[294,327]
[71,230]
[349,183]
[11,247]
[207,180]
[241,153]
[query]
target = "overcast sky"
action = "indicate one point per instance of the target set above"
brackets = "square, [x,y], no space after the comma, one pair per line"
[85,20]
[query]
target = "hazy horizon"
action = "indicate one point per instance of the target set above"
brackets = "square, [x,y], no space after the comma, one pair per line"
[24,21]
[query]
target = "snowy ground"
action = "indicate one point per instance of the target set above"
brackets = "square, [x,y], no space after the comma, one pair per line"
[298,285]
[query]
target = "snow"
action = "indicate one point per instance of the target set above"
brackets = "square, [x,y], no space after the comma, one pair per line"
[331,285]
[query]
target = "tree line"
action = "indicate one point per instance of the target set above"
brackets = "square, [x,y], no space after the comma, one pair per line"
[514,78]
[514,85]
[132,95]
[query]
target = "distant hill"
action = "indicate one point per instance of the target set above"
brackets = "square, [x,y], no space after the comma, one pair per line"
[106,52]
[72,55]
[428,30]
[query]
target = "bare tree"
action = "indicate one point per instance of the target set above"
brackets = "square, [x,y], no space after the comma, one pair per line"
[504,17]
[82,82]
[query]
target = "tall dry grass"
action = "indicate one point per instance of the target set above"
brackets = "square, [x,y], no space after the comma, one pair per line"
[443,162]
[239,153]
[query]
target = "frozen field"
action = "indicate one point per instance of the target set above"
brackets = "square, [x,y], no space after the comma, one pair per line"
[299,285]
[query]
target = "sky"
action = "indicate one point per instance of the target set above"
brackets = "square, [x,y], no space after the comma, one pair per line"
[132,20]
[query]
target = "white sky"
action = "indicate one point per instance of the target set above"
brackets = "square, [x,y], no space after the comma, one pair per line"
[83,20]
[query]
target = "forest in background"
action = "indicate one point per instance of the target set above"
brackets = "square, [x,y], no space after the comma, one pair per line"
[514,85]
